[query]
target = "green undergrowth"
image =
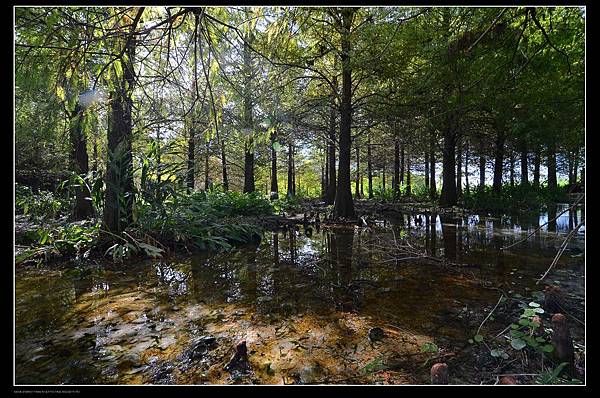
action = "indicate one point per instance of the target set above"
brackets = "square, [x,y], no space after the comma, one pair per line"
[515,198]
[190,221]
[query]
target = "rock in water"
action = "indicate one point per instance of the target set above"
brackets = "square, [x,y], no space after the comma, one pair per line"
[439,373]
[507,380]
[202,346]
[376,334]
[562,342]
[239,360]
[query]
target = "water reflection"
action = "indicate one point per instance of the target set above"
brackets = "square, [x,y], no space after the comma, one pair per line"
[91,321]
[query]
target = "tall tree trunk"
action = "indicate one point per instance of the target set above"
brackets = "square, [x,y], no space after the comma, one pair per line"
[207,183]
[224,167]
[79,164]
[499,161]
[575,166]
[159,166]
[536,168]
[401,165]
[290,178]
[119,192]
[294,185]
[524,165]
[467,167]
[331,185]
[325,184]
[459,169]
[408,181]
[383,173]
[191,160]
[552,182]
[448,195]
[370,168]
[274,187]
[432,185]
[248,118]
[427,171]
[512,168]
[357,190]
[344,206]
[396,180]
[481,172]
[249,166]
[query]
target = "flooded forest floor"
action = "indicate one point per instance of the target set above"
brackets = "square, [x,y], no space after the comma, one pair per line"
[374,303]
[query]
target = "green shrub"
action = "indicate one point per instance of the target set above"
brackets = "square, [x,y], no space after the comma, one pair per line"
[513,199]
[43,205]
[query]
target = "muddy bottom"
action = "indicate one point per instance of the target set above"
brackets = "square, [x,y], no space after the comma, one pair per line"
[314,305]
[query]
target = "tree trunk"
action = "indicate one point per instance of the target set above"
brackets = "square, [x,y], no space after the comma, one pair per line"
[119,193]
[536,168]
[432,185]
[290,178]
[294,186]
[331,185]
[396,179]
[207,183]
[498,161]
[427,170]
[401,166]
[224,167]
[249,166]
[370,168]
[408,181]
[481,173]
[512,168]
[383,172]
[459,170]
[325,183]
[552,182]
[191,160]
[344,206]
[248,118]
[448,195]
[467,167]
[79,164]
[357,190]
[524,166]
[274,187]
[575,166]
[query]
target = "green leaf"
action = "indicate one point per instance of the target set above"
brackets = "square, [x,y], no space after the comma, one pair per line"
[518,344]
[496,353]
[478,338]
[517,333]
[429,347]
[534,304]
[547,348]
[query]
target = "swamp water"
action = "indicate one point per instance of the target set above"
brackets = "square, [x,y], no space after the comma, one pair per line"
[304,300]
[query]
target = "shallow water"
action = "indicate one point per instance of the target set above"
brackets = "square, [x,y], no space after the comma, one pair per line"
[304,300]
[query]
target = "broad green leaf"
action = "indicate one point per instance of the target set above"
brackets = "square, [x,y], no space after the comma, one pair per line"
[518,344]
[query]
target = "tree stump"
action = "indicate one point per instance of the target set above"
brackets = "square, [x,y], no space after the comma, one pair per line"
[507,380]
[562,342]
[439,373]
[239,360]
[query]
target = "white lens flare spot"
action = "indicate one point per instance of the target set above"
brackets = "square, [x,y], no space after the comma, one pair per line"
[89,98]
